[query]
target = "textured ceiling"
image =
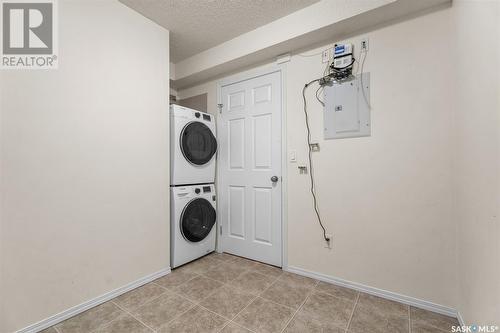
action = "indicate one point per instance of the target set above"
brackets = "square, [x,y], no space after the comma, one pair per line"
[197,25]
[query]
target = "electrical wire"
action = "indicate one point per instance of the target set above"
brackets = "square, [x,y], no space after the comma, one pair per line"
[326,72]
[317,97]
[358,65]
[327,76]
[338,69]
[311,174]
[361,78]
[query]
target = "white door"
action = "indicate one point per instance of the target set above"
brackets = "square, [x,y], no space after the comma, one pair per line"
[249,136]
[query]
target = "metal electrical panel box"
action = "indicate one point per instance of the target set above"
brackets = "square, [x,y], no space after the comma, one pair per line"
[347,108]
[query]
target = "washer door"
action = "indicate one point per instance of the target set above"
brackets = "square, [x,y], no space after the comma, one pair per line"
[197,219]
[198,144]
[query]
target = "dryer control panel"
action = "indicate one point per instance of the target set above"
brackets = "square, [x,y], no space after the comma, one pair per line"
[193,191]
[187,113]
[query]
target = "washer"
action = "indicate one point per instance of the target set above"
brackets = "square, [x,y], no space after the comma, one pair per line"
[192,146]
[193,222]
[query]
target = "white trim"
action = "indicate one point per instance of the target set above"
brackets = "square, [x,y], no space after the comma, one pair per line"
[247,75]
[73,311]
[283,58]
[284,170]
[461,320]
[418,303]
[218,246]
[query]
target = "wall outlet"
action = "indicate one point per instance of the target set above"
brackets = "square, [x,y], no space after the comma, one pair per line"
[329,244]
[314,146]
[325,56]
[364,45]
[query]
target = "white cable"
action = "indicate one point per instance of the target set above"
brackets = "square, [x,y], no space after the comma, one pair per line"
[362,85]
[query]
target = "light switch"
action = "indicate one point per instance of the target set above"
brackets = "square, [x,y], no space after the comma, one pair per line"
[293,156]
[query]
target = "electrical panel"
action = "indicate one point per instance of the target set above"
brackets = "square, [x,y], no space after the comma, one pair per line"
[347,108]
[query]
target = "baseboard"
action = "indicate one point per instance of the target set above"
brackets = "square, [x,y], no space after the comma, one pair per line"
[56,319]
[418,303]
[461,320]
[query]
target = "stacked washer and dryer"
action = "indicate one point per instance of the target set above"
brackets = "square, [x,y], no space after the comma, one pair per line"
[193,148]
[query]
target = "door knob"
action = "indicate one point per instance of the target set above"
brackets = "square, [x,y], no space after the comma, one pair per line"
[274,179]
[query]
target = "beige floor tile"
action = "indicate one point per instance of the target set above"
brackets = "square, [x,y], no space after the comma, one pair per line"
[382,303]
[419,328]
[225,285]
[175,279]
[379,315]
[246,264]
[225,272]
[227,301]
[49,330]
[137,297]
[286,294]
[298,280]
[421,317]
[196,320]
[224,257]
[201,265]
[91,319]
[234,328]
[124,324]
[302,323]
[186,268]
[264,316]
[162,310]
[198,288]
[268,270]
[324,307]
[372,320]
[252,282]
[337,291]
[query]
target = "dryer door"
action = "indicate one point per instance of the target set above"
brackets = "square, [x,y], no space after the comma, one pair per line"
[198,144]
[197,220]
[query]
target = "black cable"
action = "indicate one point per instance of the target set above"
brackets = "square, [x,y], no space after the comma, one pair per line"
[313,190]
[317,97]
[338,69]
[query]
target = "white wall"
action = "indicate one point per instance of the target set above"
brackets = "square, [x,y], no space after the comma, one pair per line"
[386,198]
[84,164]
[477,161]
[389,199]
[208,88]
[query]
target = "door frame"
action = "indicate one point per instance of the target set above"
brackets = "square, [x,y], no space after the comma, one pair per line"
[243,76]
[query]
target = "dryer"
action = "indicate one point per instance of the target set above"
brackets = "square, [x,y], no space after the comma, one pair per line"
[193,146]
[192,223]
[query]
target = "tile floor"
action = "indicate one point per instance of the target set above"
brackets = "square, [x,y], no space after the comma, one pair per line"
[225,293]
